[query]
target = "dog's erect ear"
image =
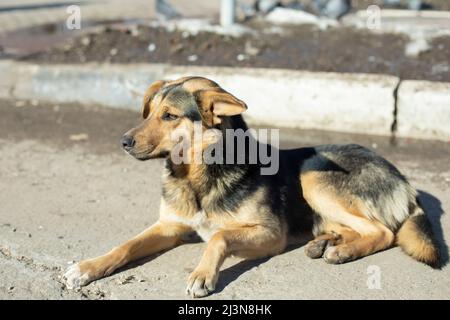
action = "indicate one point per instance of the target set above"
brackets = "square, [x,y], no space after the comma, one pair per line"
[218,103]
[148,96]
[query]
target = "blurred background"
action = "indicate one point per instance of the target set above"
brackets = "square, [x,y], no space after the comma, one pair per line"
[406,38]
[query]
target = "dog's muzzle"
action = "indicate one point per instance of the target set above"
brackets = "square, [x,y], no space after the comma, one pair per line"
[128,142]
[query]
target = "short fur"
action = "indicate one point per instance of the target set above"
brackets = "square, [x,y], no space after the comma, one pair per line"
[351,200]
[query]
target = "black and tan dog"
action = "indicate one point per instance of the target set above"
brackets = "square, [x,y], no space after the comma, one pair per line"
[353,201]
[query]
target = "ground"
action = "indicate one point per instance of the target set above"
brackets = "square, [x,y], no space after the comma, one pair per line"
[343,49]
[68,192]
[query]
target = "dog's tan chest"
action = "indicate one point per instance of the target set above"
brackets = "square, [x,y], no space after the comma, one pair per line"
[200,222]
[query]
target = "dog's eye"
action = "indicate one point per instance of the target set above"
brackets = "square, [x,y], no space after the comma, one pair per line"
[169,117]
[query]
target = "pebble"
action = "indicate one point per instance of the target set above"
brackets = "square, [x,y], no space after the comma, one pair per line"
[113,51]
[85,41]
[126,280]
[79,137]
[192,58]
[151,47]
[241,57]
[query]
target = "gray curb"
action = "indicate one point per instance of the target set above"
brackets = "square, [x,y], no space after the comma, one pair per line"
[358,103]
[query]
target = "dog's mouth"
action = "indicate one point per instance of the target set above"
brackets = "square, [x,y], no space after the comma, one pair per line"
[146,154]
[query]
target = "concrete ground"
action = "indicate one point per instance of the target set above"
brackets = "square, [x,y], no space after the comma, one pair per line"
[67,192]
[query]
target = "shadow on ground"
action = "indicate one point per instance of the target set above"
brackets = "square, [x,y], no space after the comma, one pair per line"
[434,211]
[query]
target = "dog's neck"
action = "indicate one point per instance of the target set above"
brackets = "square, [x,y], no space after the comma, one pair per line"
[204,177]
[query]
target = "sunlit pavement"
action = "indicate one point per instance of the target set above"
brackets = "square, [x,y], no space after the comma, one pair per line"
[68,192]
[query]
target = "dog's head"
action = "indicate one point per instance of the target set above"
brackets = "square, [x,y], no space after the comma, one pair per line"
[173,105]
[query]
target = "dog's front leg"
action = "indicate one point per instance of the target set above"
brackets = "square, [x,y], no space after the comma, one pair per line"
[160,236]
[251,242]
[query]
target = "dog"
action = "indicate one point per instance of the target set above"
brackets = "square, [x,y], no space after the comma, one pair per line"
[346,200]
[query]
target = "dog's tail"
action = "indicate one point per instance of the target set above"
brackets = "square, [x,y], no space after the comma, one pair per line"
[416,237]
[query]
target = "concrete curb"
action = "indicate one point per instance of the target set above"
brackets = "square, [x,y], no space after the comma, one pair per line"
[424,110]
[358,103]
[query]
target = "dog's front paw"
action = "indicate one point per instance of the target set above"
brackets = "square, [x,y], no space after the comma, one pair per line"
[74,278]
[79,275]
[201,283]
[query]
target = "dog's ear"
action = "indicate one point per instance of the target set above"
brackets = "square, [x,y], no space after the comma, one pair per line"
[218,103]
[149,95]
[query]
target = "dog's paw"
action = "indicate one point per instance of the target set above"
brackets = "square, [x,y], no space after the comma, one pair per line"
[74,278]
[337,254]
[315,248]
[201,283]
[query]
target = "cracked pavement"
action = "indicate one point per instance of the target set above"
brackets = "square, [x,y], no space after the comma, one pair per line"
[67,192]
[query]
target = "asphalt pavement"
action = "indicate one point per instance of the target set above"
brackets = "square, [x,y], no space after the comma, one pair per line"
[68,192]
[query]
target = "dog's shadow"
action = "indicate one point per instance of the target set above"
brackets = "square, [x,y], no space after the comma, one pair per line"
[431,205]
[230,274]
[433,209]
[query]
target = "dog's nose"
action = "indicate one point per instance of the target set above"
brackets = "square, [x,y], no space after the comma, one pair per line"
[127,142]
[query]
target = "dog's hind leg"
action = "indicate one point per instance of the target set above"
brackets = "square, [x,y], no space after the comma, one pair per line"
[362,235]
[365,245]
[160,236]
[251,242]
[333,234]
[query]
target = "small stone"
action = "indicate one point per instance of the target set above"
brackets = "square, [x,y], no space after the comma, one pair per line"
[11,288]
[34,103]
[192,58]
[126,280]
[241,57]
[79,137]
[14,229]
[151,47]
[85,41]
[29,235]
[113,52]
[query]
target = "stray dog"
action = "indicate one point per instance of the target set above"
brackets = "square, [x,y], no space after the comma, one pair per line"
[349,201]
